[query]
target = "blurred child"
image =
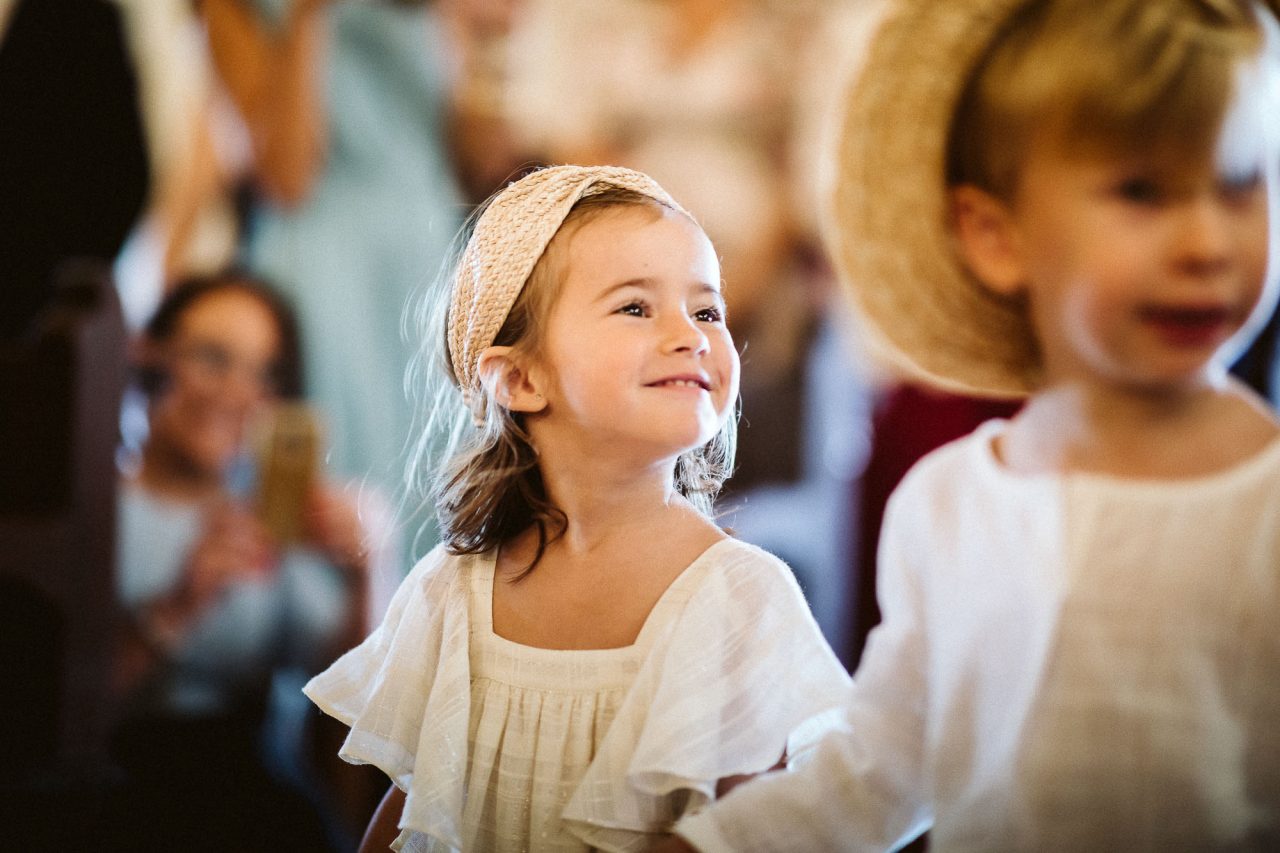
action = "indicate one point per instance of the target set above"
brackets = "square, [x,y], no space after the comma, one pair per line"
[1076,201]
[587,656]
[216,605]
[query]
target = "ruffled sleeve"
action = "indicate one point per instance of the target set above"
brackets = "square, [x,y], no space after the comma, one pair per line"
[405,693]
[735,664]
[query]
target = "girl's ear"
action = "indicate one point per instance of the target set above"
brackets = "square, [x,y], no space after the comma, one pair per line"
[512,385]
[987,238]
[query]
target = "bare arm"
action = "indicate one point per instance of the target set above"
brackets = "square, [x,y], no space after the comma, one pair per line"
[272,78]
[384,828]
[202,179]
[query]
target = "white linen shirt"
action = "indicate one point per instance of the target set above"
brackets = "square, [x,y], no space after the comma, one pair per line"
[1070,662]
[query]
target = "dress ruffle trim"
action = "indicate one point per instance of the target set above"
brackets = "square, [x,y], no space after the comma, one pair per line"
[406,694]
[708,702]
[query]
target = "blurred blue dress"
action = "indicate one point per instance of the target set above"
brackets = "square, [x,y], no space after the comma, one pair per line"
[374,229]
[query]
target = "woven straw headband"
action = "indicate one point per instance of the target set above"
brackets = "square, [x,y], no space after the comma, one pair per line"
[509,238]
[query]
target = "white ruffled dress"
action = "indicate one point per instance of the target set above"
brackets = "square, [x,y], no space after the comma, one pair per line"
[505,747]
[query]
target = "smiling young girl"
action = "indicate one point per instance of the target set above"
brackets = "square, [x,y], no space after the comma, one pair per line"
[586,657]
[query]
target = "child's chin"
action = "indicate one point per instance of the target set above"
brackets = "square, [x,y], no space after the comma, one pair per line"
[1179,378]
[702,440]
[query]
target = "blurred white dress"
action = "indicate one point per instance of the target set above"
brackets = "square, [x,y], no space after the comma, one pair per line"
[504,747]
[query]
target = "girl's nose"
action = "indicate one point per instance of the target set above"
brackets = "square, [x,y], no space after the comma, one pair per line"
[683,334]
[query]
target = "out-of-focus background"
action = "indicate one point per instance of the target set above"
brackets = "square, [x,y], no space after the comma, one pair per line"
[213,216]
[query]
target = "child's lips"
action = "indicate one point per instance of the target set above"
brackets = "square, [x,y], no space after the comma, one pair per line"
[1189,326]
[684,380]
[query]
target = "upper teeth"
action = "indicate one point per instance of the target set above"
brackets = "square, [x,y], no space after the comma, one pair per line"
[687,383]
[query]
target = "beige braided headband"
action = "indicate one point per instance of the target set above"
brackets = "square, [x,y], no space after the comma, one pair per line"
[509,238]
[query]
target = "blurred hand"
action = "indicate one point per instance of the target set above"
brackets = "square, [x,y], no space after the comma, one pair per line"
[234,547]
[332,524]
[487,17]
[308,6]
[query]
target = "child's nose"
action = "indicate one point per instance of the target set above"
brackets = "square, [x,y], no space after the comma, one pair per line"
[683,334]
[1204,240]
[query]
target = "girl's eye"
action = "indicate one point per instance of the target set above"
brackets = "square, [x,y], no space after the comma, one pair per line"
[708,315]
[633,309]
[1140,191]
[1241,185]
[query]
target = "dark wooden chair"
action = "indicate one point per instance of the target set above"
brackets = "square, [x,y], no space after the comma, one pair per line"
[60,389]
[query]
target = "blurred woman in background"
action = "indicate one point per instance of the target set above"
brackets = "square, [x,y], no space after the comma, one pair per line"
[218,607]
[349,108]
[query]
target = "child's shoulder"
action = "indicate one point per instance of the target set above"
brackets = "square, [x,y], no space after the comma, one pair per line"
[738,572]
[959,464]
[440,573]
[733,555]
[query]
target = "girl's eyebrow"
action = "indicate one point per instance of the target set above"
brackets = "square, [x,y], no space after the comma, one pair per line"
[608,292]
[704,287]
[647,283]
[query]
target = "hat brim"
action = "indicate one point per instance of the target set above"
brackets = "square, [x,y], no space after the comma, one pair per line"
[887,223]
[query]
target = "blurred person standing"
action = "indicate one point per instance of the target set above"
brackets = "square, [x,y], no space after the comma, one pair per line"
[348,107]
[73,164]
[198,151]
[217,607]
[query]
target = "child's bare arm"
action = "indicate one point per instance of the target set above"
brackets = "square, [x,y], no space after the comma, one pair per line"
[384,827]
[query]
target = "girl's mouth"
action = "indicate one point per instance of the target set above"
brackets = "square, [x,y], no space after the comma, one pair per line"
[682,382]
[1189,327]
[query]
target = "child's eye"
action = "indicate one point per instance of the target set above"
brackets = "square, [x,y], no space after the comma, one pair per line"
[634,309]
[708,315]
[1140,191]
[1238,186]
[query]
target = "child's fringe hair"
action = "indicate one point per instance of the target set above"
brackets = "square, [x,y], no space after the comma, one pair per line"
[481,479]
[1178,59]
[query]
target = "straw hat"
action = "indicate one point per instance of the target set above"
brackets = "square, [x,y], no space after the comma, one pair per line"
[508,239]
[887,224]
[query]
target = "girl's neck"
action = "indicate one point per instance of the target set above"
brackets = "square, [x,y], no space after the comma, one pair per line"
[166,473]
[605,503]
[1138,433]
[629,536]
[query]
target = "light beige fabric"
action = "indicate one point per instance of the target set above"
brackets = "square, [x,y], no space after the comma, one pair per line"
[503,747]
[888,219]
[1065,663]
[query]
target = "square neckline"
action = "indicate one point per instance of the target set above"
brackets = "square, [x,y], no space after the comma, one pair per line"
[488,571]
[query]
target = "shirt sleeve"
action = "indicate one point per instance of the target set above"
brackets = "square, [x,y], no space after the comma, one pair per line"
[861,787]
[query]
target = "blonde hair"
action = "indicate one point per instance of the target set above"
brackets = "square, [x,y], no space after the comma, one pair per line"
[1114,77]
[484,482]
